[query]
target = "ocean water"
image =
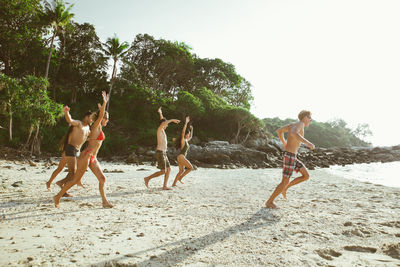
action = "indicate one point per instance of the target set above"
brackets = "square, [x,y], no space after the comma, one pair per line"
[387,174]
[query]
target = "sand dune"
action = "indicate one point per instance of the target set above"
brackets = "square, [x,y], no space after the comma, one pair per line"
[215,218]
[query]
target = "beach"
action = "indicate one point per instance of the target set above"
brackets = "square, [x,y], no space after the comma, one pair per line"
[216,218]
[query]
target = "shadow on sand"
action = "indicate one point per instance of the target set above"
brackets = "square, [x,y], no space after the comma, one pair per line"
[190,246]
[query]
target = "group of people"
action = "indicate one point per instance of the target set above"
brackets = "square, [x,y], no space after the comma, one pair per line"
[90,129]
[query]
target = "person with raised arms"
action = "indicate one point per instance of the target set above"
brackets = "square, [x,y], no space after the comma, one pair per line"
[88,156]
[161,153]
[183,144]
[71,144]
[290,162]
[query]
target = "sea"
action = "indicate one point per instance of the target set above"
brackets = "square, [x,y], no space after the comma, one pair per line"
[387,174]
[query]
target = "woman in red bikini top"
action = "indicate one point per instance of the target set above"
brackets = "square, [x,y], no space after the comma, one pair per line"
[88,156]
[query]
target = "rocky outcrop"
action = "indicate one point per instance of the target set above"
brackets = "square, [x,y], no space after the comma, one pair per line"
[268,154]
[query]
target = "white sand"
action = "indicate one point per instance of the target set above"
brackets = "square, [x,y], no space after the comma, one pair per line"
[215,218]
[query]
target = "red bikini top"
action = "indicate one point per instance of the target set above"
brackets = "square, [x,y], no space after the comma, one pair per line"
[101,136]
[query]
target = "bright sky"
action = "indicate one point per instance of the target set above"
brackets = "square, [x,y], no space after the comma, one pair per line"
[339,59]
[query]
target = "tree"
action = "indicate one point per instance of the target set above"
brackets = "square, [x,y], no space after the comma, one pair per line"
[115,50]
[20,30]
[59,16]
[362,131]
[83,66]
[10,95]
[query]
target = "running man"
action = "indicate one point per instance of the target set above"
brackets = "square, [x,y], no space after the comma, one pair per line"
[161,153]
[290,162]
[72,142]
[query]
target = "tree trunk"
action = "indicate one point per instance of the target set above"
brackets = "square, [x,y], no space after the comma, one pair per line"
[112,81]
[10,123]
[35,148]
[62,51]
[73,95]
[247,136]
[46,75]
[238,132]
[29,137]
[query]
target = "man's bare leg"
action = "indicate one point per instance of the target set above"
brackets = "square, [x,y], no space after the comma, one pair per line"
[166,176]
[270,202]
[154,175]
[71,163]
[302,178]
[59,169]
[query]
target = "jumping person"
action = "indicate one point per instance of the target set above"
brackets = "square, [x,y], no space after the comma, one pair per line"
[71,144]
[290,162]
[161,153]
[183,143]
[88,156]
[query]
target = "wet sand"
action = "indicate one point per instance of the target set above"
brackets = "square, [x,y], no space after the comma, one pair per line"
[215,218]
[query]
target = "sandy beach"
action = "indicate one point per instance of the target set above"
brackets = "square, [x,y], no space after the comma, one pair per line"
[215,219]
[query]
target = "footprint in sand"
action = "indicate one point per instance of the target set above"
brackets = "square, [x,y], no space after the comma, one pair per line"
[328,253]
[392,250]
[360,249]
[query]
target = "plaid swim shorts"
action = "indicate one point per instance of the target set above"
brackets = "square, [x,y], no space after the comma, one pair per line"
[290,164]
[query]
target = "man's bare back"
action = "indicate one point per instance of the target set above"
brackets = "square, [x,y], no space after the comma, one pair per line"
[78,135]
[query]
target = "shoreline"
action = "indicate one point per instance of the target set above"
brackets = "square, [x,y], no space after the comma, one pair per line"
[216,217]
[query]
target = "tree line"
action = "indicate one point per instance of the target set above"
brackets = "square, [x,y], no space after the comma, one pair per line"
[48,60]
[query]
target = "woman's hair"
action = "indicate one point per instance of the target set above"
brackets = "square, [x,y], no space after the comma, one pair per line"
[95,115]
[64,140]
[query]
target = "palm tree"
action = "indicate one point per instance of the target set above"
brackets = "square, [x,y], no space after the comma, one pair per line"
[115,50]
[59,16]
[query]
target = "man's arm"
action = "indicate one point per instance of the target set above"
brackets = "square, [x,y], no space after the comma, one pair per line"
[68,117]
[295,132]
[281,132]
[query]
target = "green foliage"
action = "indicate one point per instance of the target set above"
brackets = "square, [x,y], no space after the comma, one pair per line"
[323,134]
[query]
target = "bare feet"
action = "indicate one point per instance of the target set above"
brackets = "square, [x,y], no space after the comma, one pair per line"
[107,205]
[146,182]
[181,181]
[284,194]
[80,184]
[174,184]
[48,185]
[166,188]
[271,205]
[67,195]
[56,202]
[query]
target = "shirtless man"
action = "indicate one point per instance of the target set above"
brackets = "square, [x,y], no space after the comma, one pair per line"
[161,153]
[73,143]
[290,162]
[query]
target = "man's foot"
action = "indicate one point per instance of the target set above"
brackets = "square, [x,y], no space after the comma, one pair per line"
[146,182]
[107,205]
[284,194]
[174,184]
[166,188]
[56,201]
[181,181]
[271,205]
[80,184]
[67,195]
[48,185]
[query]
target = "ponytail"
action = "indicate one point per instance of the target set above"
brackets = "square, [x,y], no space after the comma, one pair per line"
[64,140]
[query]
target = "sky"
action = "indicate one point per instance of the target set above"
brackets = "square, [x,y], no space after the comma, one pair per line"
[339,59]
